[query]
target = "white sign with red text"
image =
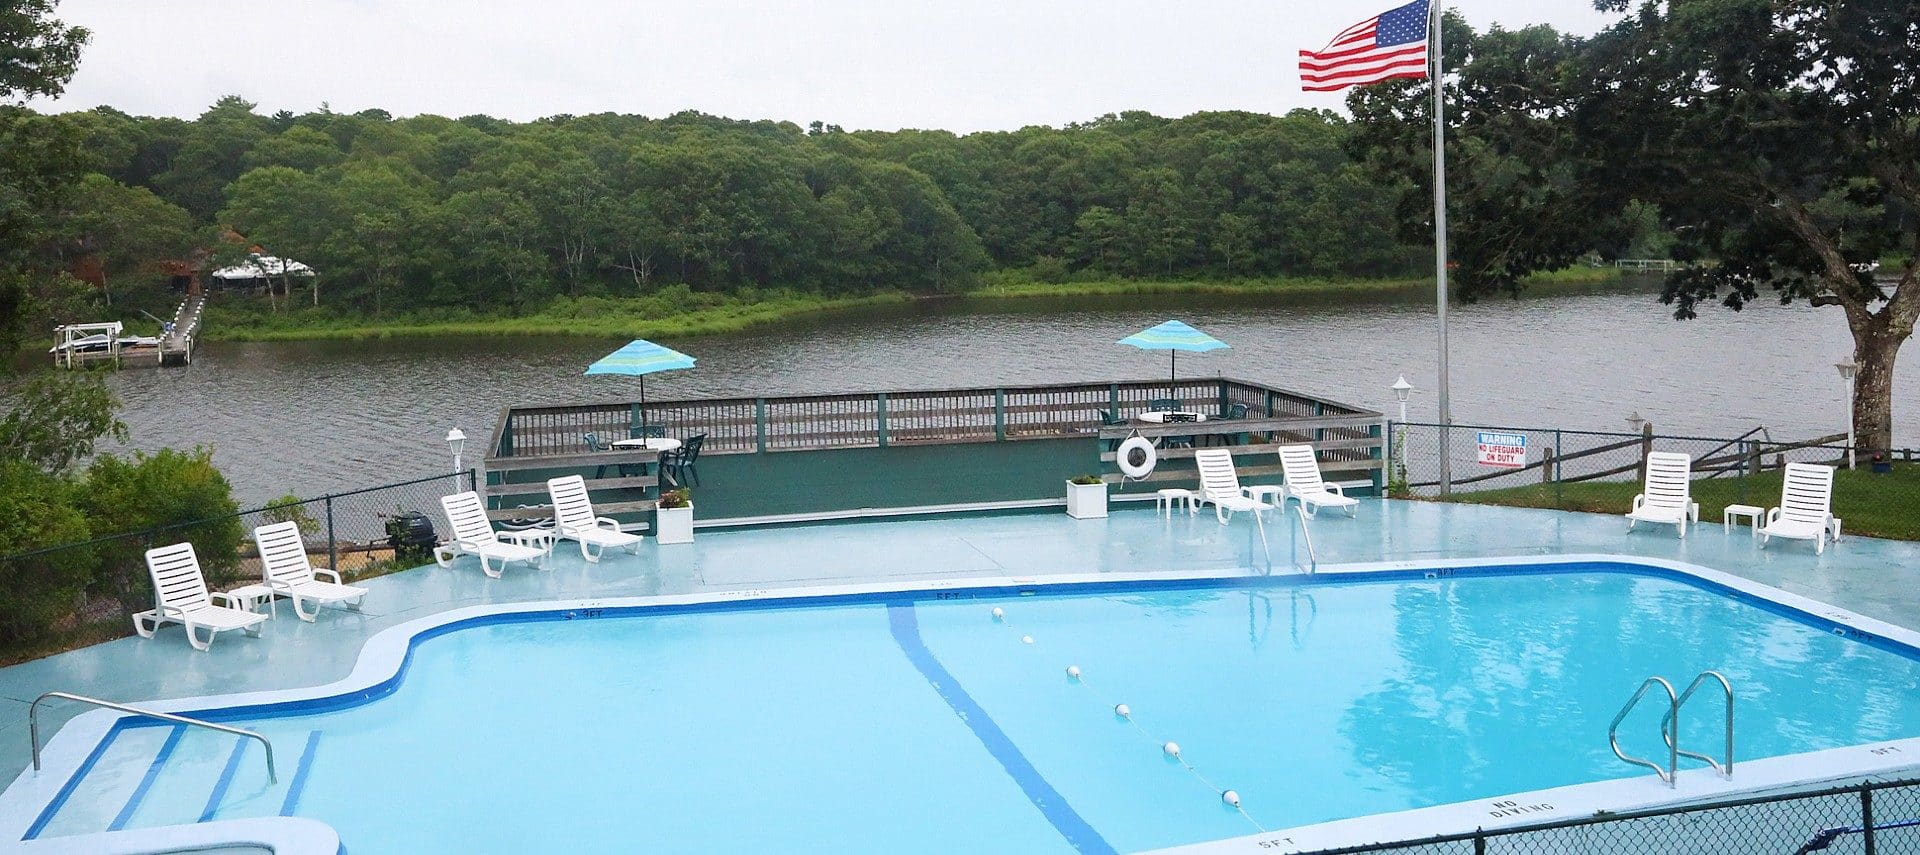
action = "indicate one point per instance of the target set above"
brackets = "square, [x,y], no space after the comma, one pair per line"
[1505,450]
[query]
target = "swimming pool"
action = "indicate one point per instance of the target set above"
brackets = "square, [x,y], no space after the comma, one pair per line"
[919,721]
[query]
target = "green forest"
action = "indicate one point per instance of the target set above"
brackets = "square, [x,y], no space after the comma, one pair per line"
[482,217]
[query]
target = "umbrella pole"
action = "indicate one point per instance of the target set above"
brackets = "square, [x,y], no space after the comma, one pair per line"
[642,427]
[1173,360]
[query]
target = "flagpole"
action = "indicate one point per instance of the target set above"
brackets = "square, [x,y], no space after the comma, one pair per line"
[1440,241]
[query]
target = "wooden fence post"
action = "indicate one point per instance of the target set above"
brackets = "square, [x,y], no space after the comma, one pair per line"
[1646,448]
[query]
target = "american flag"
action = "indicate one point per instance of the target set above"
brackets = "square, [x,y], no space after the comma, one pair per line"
[1388,45]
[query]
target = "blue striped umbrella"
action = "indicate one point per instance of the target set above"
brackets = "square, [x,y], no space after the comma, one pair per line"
[1173,337]
[638,359]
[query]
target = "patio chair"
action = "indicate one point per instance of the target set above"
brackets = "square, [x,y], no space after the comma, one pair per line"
[1232,413]
[1220,485]
[646,431]
[1806,507]
[678,465]
[285,570]
[473,535]
[573,518]
[180,596]
[595,446]
[1109,418]
[1301,468]
[1667,496]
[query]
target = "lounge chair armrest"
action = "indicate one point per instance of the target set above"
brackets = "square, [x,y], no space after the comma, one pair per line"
[1335,489]
[1773,515]
[334,575]
[223,599]
[1638,500]
[607,522]
[467,545]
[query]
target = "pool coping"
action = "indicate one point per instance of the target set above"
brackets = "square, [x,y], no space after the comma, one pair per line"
[383,661]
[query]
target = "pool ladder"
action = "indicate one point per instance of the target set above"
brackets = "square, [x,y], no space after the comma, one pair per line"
[33,725]
[1670,726]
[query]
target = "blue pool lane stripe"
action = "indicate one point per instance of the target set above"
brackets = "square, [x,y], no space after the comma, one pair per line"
[226,780]
[300,775]
[905,623]
[146,782]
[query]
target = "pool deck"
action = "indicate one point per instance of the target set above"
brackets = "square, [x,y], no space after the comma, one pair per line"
[1876,578]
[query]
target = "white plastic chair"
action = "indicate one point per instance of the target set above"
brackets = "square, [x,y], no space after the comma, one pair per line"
[1220,485]
[180,596]
[285,570]
[1667,496]
[1302,471]
[1806,507]
[473,535]
[573,518]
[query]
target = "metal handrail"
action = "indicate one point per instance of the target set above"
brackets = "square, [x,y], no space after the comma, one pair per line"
[33,725]
[1313,561]
[1727,688]
[1668,725]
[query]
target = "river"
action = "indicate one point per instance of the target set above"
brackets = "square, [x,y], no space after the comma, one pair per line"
[313,417]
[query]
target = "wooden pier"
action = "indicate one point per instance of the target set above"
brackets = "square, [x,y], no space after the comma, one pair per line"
[175,345]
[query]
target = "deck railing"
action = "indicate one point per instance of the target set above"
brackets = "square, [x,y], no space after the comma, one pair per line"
[882,419]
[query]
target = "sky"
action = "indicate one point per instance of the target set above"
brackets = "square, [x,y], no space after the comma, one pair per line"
[860,64]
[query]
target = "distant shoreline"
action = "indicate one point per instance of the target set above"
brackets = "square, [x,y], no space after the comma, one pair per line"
[644,317]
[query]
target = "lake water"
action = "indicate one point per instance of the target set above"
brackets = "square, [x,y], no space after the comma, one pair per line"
[313,417]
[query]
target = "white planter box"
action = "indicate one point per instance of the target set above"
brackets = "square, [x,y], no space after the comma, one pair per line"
[675,525]
[1086,501]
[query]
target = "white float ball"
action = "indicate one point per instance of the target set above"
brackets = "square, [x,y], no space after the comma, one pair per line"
[999,613]
[1231,798]
[1026,639]
[1121,710]
[1172,749]
[1073,671]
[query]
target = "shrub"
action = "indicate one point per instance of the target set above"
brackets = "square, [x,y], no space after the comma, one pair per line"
[39,592]
[293,509]
[159,494]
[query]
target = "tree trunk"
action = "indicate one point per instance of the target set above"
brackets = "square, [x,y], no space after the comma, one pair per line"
[1874,350]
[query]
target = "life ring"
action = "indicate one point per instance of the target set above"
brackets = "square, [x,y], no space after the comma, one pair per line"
[1137,457]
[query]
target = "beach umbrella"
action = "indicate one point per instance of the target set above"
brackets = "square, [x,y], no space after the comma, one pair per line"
[1173,337]
[638,359]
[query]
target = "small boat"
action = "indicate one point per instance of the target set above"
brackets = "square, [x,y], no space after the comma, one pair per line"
[139,341]
[90,344]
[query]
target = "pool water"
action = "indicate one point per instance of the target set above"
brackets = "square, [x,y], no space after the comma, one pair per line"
[928,725]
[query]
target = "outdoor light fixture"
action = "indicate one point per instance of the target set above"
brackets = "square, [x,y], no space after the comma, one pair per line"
[1401,389]
[1635,422]
[456,442]
[1848,370]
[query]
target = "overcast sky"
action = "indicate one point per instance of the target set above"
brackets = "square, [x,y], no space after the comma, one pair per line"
[879,64]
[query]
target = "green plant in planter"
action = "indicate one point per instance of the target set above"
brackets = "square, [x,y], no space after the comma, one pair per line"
[1086,480]
[680,498]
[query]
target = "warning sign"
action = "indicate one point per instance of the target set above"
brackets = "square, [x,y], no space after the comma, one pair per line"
[1506,450]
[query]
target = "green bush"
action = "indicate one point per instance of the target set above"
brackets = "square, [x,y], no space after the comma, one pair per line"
[39,592]
[159,492]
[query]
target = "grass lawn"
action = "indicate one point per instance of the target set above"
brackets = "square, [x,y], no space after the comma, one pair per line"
[1874,505]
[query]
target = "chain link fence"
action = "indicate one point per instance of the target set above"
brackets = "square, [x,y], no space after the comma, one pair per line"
[1861,819]
[357,533]
[1600,472]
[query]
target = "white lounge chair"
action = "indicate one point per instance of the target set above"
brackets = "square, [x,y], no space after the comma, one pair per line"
[473,535]
[1302,471]
[180,596]
[285,570]
[573,518]
[1806,507]
[1220,485]
[1667,496]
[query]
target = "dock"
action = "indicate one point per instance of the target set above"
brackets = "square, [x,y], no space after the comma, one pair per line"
[173,347]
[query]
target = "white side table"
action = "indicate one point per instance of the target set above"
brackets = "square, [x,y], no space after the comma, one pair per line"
[1165,499]
[249,598]
[1751,513]
[538,538]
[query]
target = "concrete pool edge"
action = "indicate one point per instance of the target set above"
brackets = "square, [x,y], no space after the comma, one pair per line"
[382,663]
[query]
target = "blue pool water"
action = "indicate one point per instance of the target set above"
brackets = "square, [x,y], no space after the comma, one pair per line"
[926,725]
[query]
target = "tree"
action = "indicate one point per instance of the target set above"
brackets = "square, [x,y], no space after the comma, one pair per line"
[1781,139]
[128,230]
[54,419]
[37,591]
[41,52]
[1777,142]
[169,496]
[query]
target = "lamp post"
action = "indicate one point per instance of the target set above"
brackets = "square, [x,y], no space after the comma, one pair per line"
[456,442]
[1847,372]
[1634,422]
[1401,389]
